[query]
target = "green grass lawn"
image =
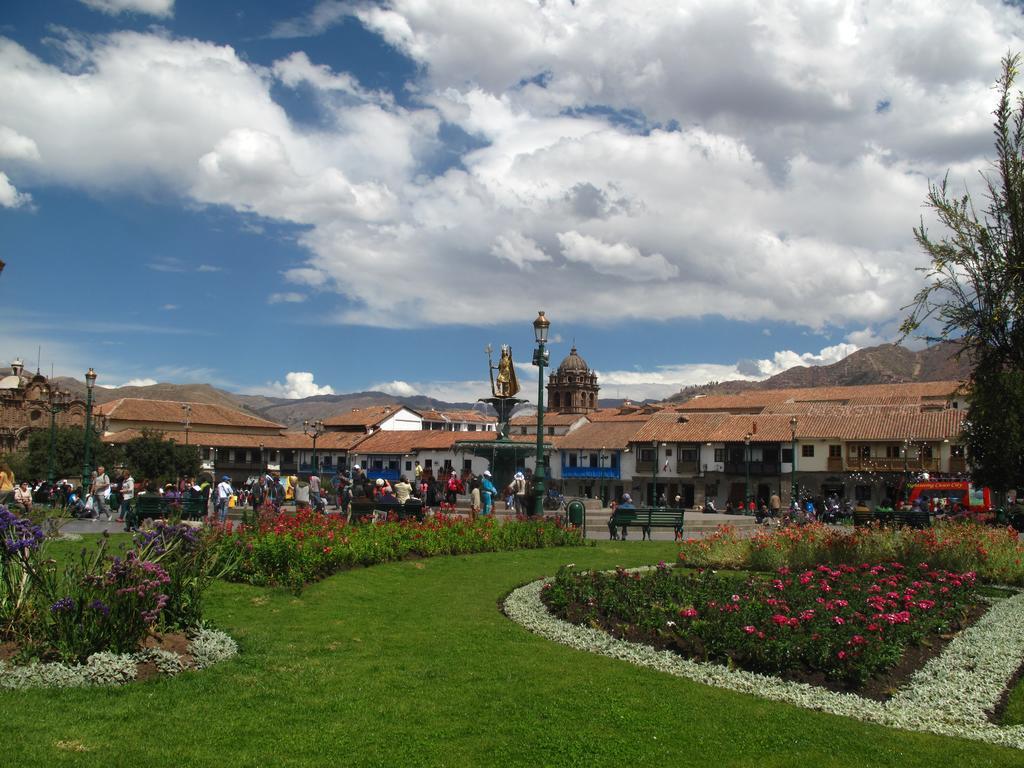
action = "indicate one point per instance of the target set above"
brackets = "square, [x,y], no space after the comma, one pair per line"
[412,664]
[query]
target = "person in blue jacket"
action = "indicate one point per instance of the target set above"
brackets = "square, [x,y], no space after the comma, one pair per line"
[487,494]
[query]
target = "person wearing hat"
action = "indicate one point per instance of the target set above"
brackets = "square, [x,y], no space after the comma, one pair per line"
[452,489]
[519,491]
[487,493]
[224,494]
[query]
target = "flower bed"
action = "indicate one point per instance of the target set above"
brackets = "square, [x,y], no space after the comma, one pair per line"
[843,624]
[99,603]
[293,550]
[994,554]
[951,695]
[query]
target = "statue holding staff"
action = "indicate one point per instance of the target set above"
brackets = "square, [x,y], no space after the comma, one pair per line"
[506,384]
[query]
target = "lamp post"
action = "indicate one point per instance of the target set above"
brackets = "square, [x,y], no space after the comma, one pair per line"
[746,486]
[600,461]
[654,490]
[540,359]
[57,402]
[792,463]
[90,382]
[186,409]
[314,429]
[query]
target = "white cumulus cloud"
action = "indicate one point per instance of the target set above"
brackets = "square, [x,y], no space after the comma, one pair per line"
[296,384]
[289,297]
[10,197]
[162,8]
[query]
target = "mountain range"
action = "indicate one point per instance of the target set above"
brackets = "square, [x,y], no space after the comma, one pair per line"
[883,364]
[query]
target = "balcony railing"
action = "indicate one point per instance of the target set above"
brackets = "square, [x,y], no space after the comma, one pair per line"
[684,467]
[756,468]
[645,467]
[957,464]
[886,464]
[610,473]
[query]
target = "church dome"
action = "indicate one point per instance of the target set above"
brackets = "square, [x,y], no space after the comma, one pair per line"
[573,363]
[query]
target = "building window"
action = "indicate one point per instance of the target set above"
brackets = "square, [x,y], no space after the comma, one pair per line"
[926,451]
[719,455]
[328,460]
[646,454]
[472,427]
[447,465]
[894,451]
[551,430]
[711,491]
[835,451]
[288,456]
[522,430]
[807,451]
[573,460]
[408,466]
[467,465]
[687,454]
[614,463]
[668,452]
[787,455]
[594,460]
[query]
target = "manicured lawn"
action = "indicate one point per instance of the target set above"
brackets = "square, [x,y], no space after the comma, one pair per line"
[412,664]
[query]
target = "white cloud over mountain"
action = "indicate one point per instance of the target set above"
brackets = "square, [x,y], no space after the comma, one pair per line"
[296,384]
[759,161]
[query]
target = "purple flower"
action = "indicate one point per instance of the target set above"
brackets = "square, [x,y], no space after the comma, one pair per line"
[18,534]
[64,605]
[100,607]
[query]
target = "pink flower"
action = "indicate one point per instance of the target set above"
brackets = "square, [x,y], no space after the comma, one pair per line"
[838,620]
[688,613]
[735,598]
[749,629]
[841,655]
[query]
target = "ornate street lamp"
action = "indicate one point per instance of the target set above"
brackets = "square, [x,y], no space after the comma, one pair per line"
[746,487]
[90,382]
[314,429]
[654,490]
[792,463]
[186,409]
[540,359]
[601,458]
[58,401]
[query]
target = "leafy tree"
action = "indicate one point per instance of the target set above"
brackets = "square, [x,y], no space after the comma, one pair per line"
[975,293]
[69,453]
[152,457]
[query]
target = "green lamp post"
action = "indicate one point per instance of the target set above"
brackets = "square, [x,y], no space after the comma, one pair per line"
[90,382]
[57,402]
[792,463]
[654,489]
[314,429]
[540,359]
[746,486]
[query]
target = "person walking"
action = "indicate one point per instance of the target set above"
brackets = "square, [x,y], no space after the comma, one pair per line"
[519,492]
[487,493]
[314,491]
[474,499]
[223,497]
[100,495]
[775,505]
[127,496]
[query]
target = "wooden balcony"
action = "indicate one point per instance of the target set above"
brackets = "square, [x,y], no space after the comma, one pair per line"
[835,463]
[686,467]
[957,464]
[884,464]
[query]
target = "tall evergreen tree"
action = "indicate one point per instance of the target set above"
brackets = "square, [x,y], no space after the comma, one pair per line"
[975,293]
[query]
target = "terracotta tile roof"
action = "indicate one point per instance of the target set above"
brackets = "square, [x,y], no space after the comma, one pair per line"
[338,441]
[402,441]
[849,424]
[612,435]
[627,413]
[365,417]
[286,441]
[169,412]
[550,420]
[758,399]
[472,417]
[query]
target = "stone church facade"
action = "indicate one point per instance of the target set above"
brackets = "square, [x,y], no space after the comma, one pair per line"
[572,388]
[25,401]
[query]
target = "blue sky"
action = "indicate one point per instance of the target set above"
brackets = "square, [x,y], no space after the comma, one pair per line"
[286,198]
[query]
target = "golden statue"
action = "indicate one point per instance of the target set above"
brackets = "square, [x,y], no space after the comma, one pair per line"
[506,384]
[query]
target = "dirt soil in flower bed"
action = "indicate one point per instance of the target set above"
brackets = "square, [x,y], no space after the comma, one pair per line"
[175,642]
[880,687]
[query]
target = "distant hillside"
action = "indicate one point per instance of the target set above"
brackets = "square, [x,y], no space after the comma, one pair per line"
[192,393]
[884,364]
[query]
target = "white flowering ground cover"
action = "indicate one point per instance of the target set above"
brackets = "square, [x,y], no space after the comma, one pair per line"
[951,694]
[208,647]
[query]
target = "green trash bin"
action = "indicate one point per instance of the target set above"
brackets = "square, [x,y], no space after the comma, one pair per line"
[576,510]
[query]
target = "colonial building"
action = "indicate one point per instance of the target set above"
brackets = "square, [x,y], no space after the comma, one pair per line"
[572,387]
[26,402]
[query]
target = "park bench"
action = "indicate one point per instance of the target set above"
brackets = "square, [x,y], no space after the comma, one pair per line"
[363,509]
[646,518]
